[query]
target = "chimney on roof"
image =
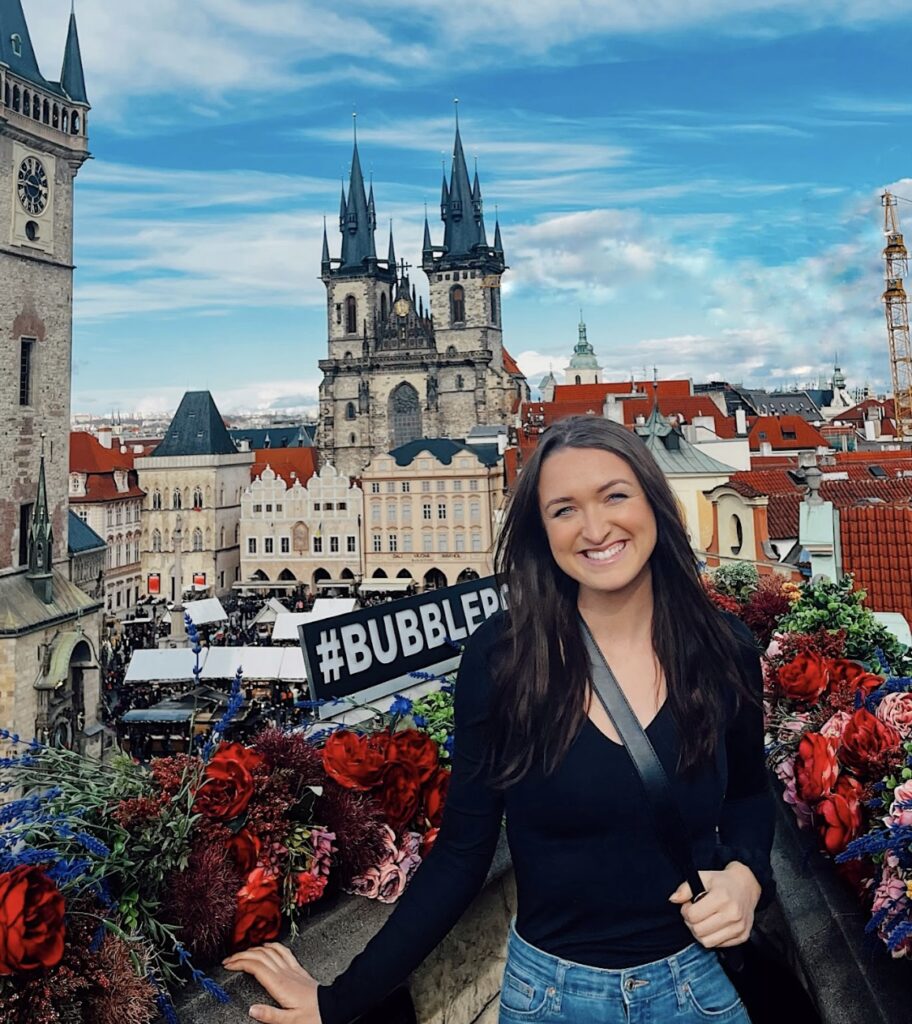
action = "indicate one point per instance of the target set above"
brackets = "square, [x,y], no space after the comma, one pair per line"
[766,448]
[612,409]
[741,422]
[105,436]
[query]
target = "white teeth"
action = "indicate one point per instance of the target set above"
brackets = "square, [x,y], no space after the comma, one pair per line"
[603,556]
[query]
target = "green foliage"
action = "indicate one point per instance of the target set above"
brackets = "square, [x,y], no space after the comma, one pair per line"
[736,579]
[837,605]
[437,711]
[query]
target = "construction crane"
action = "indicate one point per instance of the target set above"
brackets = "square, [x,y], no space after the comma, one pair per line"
[896,307]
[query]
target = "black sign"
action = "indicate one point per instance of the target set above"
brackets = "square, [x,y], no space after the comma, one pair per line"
[364,649]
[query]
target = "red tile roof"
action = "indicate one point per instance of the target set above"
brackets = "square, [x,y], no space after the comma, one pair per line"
[774,427]
[857,413]
[89,455]
[877,550]
[598,392]
[511,366]
[684,409]
[101,487]
[289,463]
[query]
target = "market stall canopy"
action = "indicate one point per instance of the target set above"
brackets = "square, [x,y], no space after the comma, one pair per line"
[381,585]
[327,607]
[285,629]
[205,612]
[162,666]
[270,611]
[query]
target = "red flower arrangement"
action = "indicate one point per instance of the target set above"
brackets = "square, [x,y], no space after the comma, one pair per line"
[259,911]
[31,921]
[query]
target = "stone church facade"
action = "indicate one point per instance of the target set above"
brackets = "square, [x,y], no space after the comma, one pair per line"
[397,371]
[49,628]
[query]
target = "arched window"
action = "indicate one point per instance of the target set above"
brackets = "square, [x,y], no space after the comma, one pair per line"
[347,358]
[384,307]
[494,299]
[457,304]
[197,498]
[27,103]
[156,500]
[75,123]
[404,415]
[578,379]
[237,533]
[350,411]
[46,112]
[451,352]
[351,315]
[156,541]
[55,116]
[352,439]
[176,499]
[16,98]
[65,120]
[460,382]
[197,540]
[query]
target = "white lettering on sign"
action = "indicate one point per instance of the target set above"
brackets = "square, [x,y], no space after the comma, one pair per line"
[454,632]
[433,625]
[358,655]
[409,632]
[473,614]
[388,654]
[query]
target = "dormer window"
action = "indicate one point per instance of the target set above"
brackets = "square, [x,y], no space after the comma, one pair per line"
[16,40]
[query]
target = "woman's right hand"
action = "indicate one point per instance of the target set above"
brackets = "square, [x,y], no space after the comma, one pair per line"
[286,981]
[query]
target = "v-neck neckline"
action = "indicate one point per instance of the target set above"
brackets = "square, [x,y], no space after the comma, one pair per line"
[646,728]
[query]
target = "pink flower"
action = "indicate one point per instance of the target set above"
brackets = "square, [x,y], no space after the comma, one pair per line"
[891,890]
[785,771]
[367,885]
[834,727]
[775,647]
[324,848]
[389,841]
[896,710]
[409,845]
[392,883]
[899,815]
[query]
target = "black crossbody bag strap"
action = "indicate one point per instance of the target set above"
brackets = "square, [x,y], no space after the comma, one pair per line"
[669,824]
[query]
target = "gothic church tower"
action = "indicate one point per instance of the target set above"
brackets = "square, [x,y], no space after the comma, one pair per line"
[46,623]
[397,372]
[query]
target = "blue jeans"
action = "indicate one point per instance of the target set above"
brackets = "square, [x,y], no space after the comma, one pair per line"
[689,987]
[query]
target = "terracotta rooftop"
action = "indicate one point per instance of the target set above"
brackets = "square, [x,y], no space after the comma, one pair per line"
[289,463]
[89,455]
[511,366]
[598,392]
[789,433]
[682,408]
[877,550]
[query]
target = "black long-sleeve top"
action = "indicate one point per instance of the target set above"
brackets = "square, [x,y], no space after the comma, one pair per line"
[593,880]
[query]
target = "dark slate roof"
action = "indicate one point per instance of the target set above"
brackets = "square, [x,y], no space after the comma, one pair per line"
[72,77]
[311,430]
[197,429]
[462,211]
[13,23]
[359,222]
[783,403]
[274,437]
[82,537]
[443,449]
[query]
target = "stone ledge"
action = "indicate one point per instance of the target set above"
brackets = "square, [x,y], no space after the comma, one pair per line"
[451,987]
[850,975]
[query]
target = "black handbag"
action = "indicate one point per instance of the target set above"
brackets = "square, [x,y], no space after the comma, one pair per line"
[761,976]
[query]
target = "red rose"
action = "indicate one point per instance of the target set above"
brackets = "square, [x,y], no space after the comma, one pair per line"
[434,796]
[309,887]
[844,671]
[415,748]
[816,768]
[865,740]
[400,794]
[839,815]
[804,678]
[354,761]
[428,840]
[258,917]
[244,848]
[227,782]
[32,929]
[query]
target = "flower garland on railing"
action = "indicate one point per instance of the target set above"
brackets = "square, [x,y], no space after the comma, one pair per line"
[839,731]
[123,882]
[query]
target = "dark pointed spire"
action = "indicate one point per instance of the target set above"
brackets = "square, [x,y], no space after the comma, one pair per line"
[444,198]
[359,221]
[342,208]
[462,208]
[391,256]
[41,541]
[426,245]
[498,242]
[16,50]
[325,265]
[72,77]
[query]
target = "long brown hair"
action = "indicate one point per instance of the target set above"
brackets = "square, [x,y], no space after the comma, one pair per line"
[541,670]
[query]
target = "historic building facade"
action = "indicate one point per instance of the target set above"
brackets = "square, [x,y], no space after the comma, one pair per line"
[397,371]
[49,628]
[106,496]
[191,520]
[429,513]
[301,532]
[583,367]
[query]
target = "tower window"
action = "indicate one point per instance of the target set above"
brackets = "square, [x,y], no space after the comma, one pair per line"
[350,411]
[457,305]
[351,315]
[25,522]
[384,308]
[578,379]
[31,230]
[25,371]
[338,312]
[16,40]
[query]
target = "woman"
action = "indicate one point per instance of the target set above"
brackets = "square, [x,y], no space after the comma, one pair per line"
[605,930]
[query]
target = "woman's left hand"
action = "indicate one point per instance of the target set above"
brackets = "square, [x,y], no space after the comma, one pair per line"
[725,915]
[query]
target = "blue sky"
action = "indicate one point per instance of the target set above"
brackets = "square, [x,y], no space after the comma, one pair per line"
[701,178]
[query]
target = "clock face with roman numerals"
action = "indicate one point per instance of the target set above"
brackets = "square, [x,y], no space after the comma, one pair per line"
[33,186]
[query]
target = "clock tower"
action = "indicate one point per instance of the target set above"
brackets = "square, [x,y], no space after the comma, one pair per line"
[47,646]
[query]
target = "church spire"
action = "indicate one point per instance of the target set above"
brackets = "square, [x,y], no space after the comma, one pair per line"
[426,246]
[461,207]
[358,228]
[391,256]
[498,242]
[325,265]
[41,541]
[72,77]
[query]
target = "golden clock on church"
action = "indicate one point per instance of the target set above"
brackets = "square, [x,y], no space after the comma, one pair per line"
[401,307]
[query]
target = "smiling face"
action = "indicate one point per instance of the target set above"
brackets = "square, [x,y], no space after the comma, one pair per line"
[598,520]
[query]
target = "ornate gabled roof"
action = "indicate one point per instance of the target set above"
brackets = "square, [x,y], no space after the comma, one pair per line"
[72,77]
[197,429]
[357,225]
[443,449]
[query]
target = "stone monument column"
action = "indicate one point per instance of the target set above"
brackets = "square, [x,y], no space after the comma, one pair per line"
[178,630]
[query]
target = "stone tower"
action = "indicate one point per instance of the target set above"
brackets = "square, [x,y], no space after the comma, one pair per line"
[584,367]
[48,628]
[397,372]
